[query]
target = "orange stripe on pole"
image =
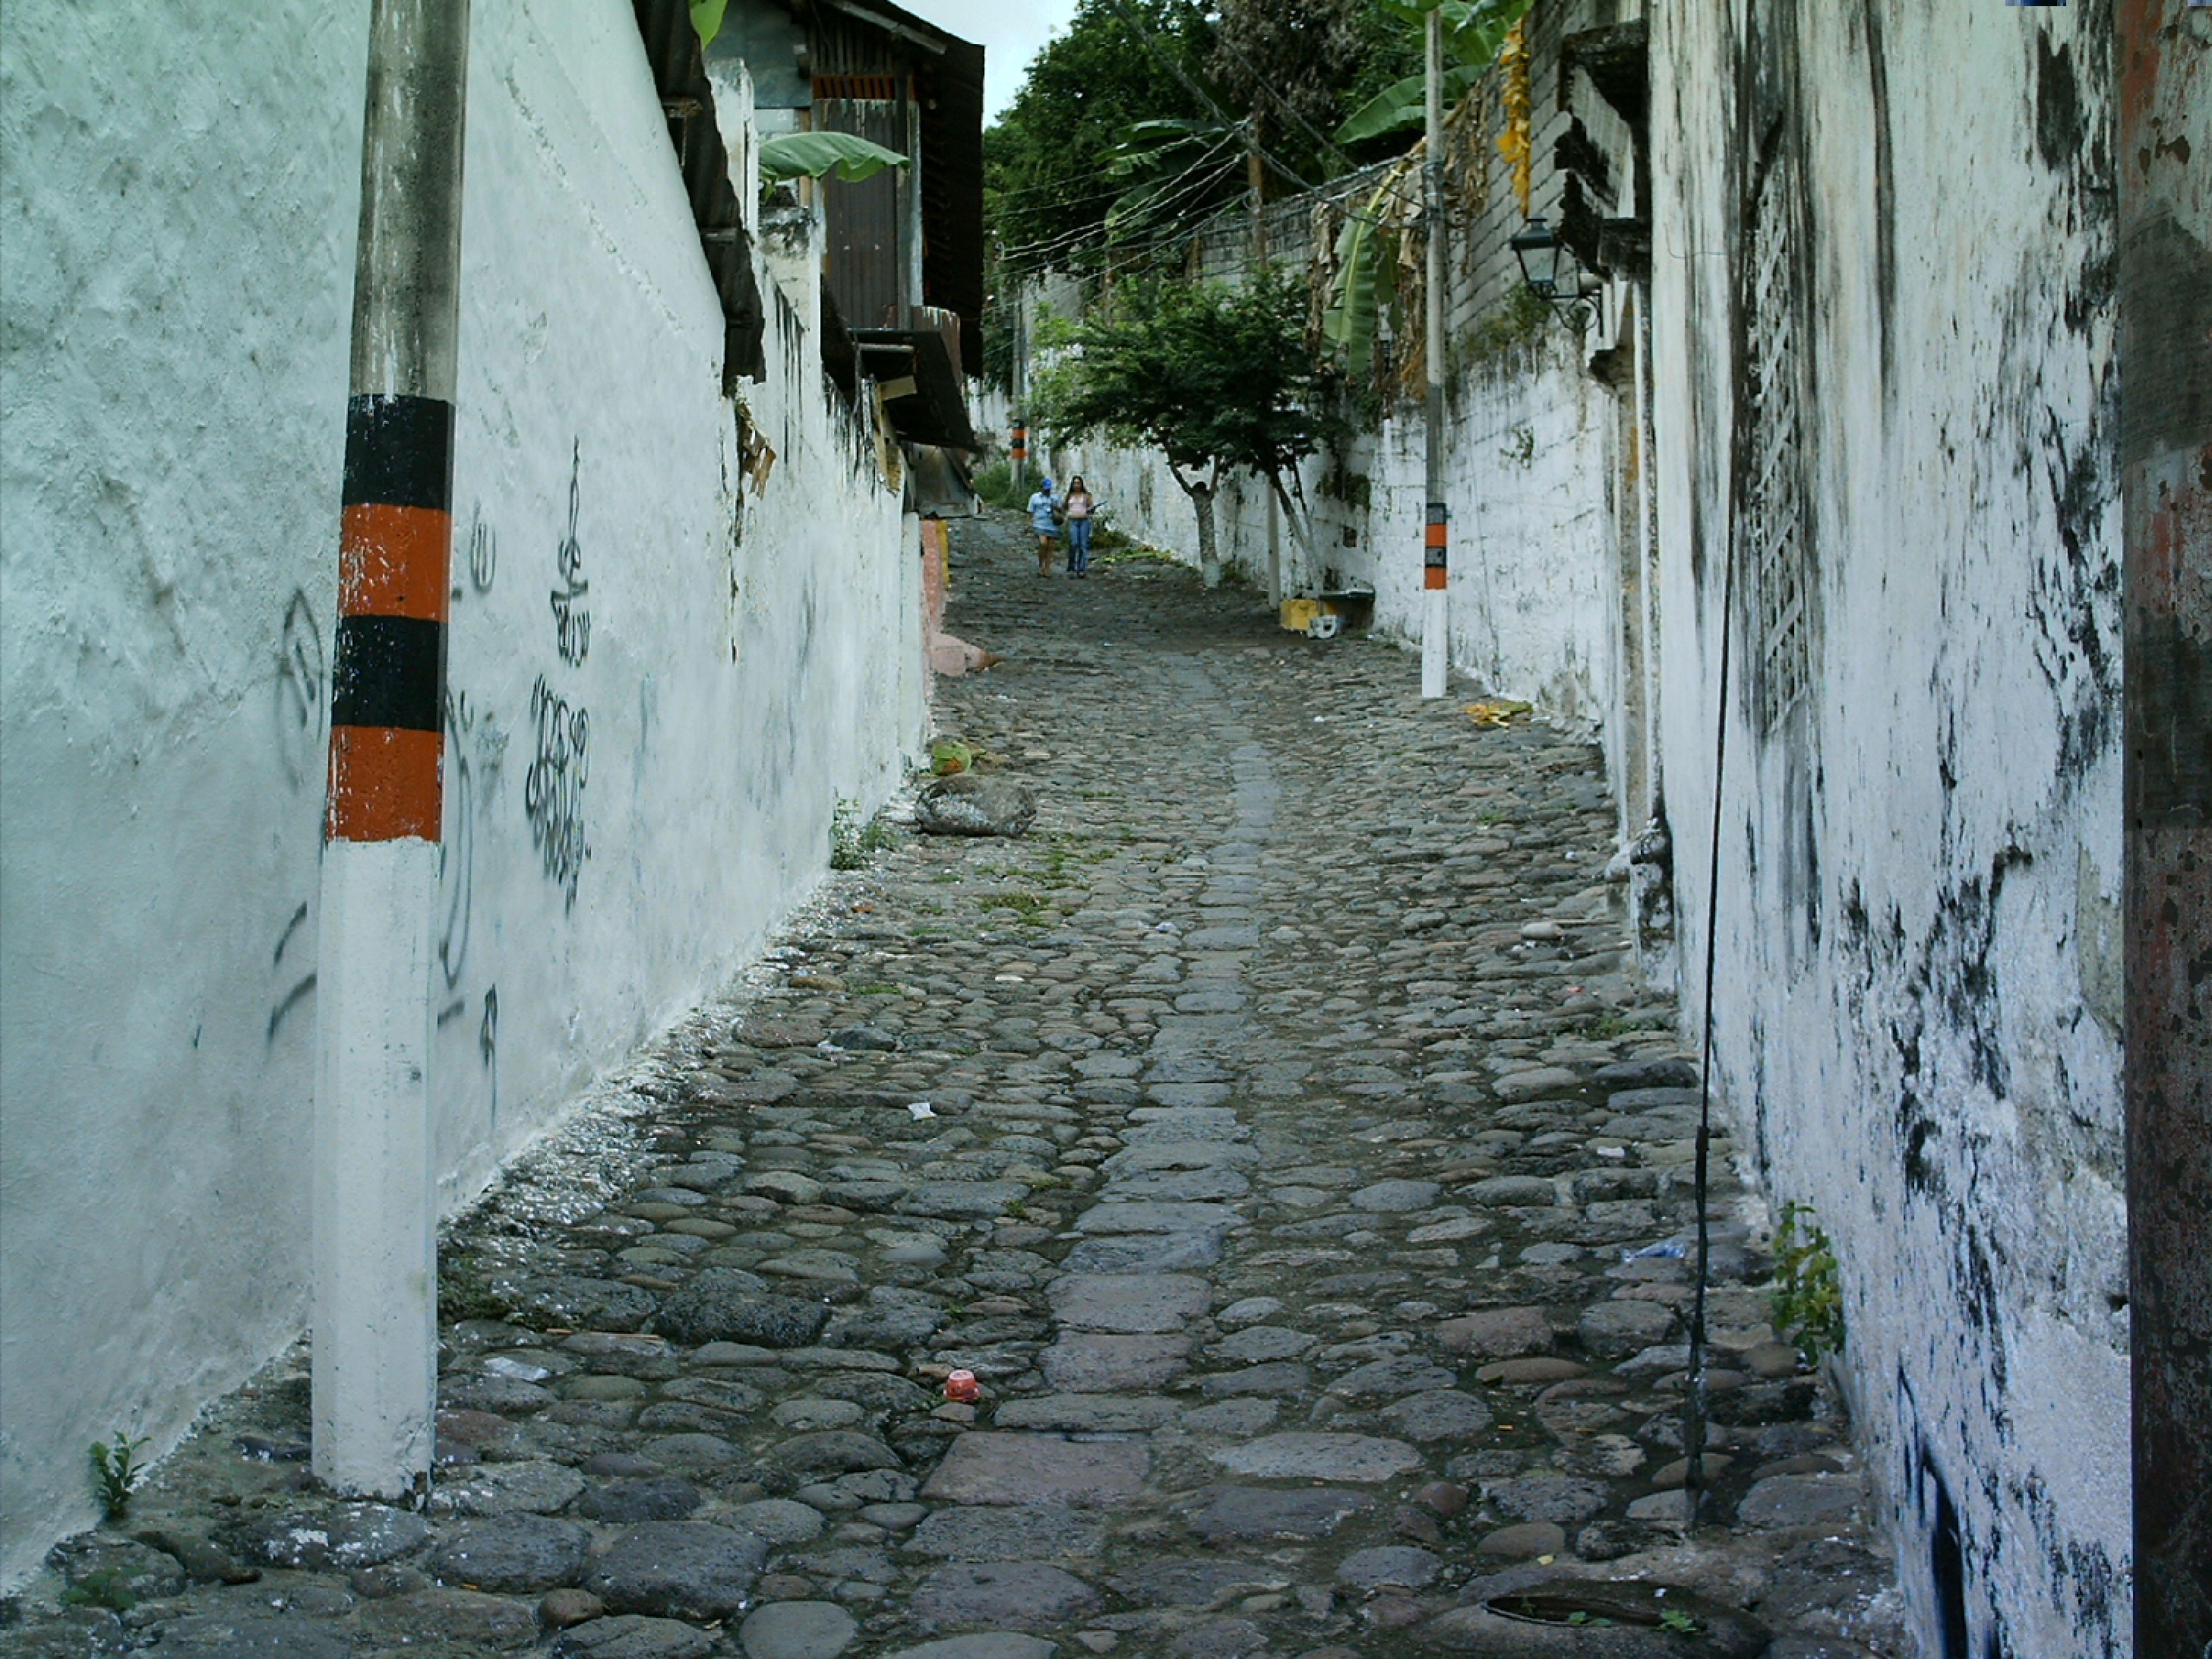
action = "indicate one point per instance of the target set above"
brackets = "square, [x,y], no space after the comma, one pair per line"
[1436,536]
[384,783]
[394,561]
[1434,577]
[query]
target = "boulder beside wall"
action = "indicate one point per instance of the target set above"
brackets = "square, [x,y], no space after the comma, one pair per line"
[967,805]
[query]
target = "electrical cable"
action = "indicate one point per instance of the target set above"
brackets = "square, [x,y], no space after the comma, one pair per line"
[1262,84]
[1694,1406]
[1143,36]
[1174,189]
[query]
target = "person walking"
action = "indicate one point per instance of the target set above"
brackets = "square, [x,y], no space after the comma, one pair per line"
[1079,504]
[1044,519]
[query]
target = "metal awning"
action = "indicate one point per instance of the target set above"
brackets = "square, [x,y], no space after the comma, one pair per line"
[922,388]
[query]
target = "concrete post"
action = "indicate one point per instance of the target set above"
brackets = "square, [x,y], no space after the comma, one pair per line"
[1436,644]
[1255,180]
[1021,446]
[2163,71]
[375,1256]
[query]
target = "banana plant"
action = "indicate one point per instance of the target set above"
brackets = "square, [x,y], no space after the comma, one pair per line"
[1474,31]
[811,154]
[1367,247]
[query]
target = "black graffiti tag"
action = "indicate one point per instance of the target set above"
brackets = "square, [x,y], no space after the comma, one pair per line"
[553,791]
[572,620]
[302,678]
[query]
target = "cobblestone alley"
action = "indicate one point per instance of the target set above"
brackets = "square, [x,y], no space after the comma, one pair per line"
[1277,1131]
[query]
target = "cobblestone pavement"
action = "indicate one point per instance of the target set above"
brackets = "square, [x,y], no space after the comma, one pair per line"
[1276,1132]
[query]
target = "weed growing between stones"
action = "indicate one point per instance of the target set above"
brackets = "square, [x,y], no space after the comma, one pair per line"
[105,1589]
[852,843]
[116,1473]
[1809,1297]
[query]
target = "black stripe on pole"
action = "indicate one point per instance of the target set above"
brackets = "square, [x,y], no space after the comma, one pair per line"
[400,452]
[389,673]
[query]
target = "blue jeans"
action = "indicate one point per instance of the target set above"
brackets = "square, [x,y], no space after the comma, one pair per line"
[1078,546]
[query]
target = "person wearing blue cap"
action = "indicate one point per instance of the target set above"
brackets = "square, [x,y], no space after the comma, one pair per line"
[1044,519]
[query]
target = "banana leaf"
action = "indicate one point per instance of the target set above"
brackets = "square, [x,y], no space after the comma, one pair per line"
[1366,281]
[1473,31]
[811,154]
[1401,105]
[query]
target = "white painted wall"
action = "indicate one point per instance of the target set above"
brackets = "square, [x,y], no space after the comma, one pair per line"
[177,214]
[1532,551]
[1531,451]
[1918,984]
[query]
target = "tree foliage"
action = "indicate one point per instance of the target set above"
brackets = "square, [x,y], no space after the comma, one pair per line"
[1473,31]
[1214,377]
[1300,67]
[1211,375]
[1054,163]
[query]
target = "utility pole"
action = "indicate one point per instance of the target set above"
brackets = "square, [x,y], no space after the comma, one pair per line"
[1436,644]
[1255,179]
[1021,448]
[2163,71]
[375,1295]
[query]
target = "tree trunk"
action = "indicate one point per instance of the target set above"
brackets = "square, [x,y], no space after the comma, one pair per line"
[1201,492]
[1301,528]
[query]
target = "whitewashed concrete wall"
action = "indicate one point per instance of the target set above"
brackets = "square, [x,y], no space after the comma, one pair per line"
[625,819]
[1919,989]
[1534,550]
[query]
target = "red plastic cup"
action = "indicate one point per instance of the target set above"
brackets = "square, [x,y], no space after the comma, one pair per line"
[961,1388]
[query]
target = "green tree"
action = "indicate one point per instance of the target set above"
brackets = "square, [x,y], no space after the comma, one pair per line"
[1058,161]
[1300,67]
[1214,377]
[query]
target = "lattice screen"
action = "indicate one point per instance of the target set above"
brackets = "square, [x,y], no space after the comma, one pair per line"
[1769,506]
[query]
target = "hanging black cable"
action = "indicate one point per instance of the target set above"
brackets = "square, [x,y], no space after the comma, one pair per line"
[1693,1407]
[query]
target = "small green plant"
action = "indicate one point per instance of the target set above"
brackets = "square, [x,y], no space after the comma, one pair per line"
[1137,553]
[1680,1622]
[1809,1295]
[116,1473]
[949,755]
[995,483]
[105,1589]
[851,842]
[1030,909]
[1516,324]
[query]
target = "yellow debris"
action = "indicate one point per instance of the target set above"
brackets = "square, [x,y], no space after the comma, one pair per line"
[1501,712]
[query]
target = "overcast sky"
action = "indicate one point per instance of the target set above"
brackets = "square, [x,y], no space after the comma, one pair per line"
[1009,31]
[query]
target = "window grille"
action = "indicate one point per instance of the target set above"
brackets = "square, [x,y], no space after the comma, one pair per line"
[1769,505]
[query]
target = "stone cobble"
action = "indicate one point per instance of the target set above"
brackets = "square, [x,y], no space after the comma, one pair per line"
[1279,1133]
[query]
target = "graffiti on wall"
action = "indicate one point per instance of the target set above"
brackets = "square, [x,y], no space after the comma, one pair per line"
[553,790]
[572,618]
[457,850]
[302,679]
[484,556]
[302,987]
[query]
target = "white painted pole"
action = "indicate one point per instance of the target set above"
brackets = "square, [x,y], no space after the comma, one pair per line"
[375,1302]
[1436,613]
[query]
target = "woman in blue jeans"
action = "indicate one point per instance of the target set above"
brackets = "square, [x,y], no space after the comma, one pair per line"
[1078,504]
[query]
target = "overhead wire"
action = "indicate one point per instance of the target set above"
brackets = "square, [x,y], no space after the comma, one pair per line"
[1263,85]
[1185,185]
[1145,37]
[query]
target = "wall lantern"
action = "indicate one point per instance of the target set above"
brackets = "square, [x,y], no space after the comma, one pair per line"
[1551,272]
